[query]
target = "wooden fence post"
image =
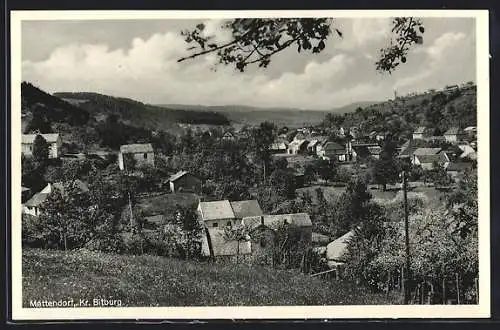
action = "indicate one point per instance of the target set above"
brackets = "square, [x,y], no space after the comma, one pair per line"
[476,284]
[444,290]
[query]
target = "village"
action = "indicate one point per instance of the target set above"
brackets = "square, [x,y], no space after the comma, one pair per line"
[346,148]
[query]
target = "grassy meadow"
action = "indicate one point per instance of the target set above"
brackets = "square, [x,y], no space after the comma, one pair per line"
[158,281]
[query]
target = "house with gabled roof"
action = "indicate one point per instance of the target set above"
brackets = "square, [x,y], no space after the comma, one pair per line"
[454,169]
[454,135]
[34,204]
[297,147]
[333,150]
[421,133]
[225,213]
[428,160]
[279,146]
[53,139]
[184,181]
[136,154]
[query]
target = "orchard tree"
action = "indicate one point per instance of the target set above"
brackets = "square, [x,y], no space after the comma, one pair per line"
[254,41]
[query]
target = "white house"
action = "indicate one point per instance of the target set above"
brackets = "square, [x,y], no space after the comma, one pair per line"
[454,135]
[140,153]
[420,133]
[53,139]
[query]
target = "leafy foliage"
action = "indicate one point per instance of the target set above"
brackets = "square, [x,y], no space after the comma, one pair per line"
[257,40]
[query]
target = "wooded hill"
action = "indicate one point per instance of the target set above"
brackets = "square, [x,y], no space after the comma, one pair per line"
[438,110]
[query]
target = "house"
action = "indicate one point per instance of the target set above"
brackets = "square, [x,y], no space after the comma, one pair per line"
[470,130]
[454,135]
[467,151]
[451,88]
[246,208]
[314,143]
[183,181]
[216,245]
[380,136]
[279,147]
[263,231]
[225,213]
[297,147]
[319,239]
[420,133]
[336,251]
[228,135]
[428,161]
[53,139]
[33,205]
[333,150]
[375,151]
[140,154]
[454,169]
[216,214]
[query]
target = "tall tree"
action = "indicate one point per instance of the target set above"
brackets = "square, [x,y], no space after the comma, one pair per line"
[386,169]
[262,137]
[40,149]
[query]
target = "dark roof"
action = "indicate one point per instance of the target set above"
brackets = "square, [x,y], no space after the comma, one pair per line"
[361,151]
[462,166]
[426,159]
[247,208]
[333,146]
[136,148]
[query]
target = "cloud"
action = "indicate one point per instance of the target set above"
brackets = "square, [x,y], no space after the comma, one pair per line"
[363,33]
[440,59]
[146,69]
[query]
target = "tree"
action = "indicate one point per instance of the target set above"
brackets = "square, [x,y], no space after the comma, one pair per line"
[387,169]
[39,122]
[325,169]
[40,149]
[262,137]
[65,217]
[257,40]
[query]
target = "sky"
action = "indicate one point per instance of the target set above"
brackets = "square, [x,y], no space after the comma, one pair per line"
[138,59]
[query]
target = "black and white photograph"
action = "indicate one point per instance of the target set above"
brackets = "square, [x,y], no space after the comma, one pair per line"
[311,164]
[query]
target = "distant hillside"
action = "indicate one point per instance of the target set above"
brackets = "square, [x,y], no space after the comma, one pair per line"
[435,109]
[139,114]
[292,117]
[49,108]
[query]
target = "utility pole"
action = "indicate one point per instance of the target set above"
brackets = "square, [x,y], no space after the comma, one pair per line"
[407,242]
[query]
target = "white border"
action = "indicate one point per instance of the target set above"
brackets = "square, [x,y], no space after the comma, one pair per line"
[297,312]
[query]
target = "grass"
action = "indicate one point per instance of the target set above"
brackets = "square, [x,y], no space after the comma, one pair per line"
[159,204]
[159,281]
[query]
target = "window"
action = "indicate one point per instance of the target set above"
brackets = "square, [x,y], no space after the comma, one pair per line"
[215,224]
[31,148]
[145,156]
[229,223]
[263,243]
